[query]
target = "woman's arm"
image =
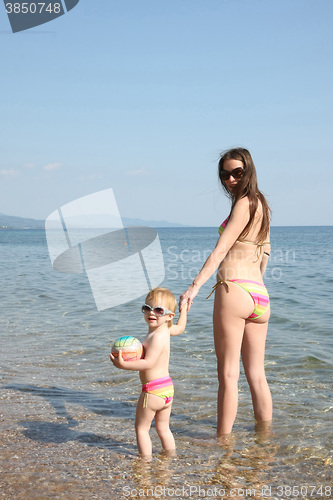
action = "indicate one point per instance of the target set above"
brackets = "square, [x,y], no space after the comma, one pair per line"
[181,323]
[237,222]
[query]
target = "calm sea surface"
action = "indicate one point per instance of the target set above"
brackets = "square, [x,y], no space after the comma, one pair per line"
[67,415]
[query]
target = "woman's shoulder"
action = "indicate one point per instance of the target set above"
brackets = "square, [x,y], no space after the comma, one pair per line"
[241,207]
[243,202]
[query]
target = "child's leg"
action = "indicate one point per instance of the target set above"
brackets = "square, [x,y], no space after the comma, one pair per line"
[162,420]
[143,420]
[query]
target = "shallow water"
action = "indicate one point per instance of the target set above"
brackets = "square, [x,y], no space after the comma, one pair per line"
[67,415]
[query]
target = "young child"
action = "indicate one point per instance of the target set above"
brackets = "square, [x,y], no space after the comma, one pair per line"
[157,387]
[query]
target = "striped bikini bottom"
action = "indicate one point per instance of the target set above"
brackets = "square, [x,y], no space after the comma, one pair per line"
[258,292]
[162,387]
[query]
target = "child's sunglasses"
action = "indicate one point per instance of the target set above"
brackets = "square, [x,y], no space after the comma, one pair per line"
[158,311]
[237,173]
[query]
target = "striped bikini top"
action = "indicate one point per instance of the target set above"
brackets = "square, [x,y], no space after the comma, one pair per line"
[258,245]
[222,226]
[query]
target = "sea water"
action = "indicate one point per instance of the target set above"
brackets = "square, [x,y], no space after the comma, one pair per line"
[67,414]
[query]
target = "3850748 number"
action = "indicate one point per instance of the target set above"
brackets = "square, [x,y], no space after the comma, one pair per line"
[304,491]
[32,8]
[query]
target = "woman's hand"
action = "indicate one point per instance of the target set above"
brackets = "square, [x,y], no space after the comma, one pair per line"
[186,299]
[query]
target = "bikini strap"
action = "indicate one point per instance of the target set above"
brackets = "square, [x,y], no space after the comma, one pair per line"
[216,285]
[259,246]
[254,243]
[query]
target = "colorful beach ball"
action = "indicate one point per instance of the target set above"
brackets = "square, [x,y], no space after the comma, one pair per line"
[130,346]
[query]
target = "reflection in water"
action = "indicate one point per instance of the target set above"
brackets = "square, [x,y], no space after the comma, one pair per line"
[227,463]
[153,476]
[247,467]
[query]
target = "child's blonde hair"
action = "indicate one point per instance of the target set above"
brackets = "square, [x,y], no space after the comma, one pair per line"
[168,297]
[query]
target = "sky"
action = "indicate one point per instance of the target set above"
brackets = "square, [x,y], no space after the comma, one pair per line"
[141,96]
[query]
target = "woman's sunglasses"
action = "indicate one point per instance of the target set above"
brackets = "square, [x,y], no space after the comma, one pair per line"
[237,173]
[158,311]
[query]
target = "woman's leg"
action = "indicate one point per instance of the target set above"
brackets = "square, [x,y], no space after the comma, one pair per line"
[253,357]
[232,305]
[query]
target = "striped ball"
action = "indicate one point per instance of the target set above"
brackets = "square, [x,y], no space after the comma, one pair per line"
[130,346]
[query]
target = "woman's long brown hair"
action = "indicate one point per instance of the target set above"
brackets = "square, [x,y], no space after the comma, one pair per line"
[247,186]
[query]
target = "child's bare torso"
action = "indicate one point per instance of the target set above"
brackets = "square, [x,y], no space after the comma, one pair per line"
[160,340]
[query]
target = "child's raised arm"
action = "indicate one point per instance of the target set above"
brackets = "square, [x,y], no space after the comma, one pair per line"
[181,323]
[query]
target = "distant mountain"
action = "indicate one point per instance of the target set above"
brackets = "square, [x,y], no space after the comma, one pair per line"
[10,221]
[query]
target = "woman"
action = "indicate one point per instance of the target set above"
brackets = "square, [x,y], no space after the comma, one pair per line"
[241,306]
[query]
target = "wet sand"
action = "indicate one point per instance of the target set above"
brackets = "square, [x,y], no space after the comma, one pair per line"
[79,455]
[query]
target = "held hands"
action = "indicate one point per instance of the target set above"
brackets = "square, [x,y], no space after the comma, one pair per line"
[186,299]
